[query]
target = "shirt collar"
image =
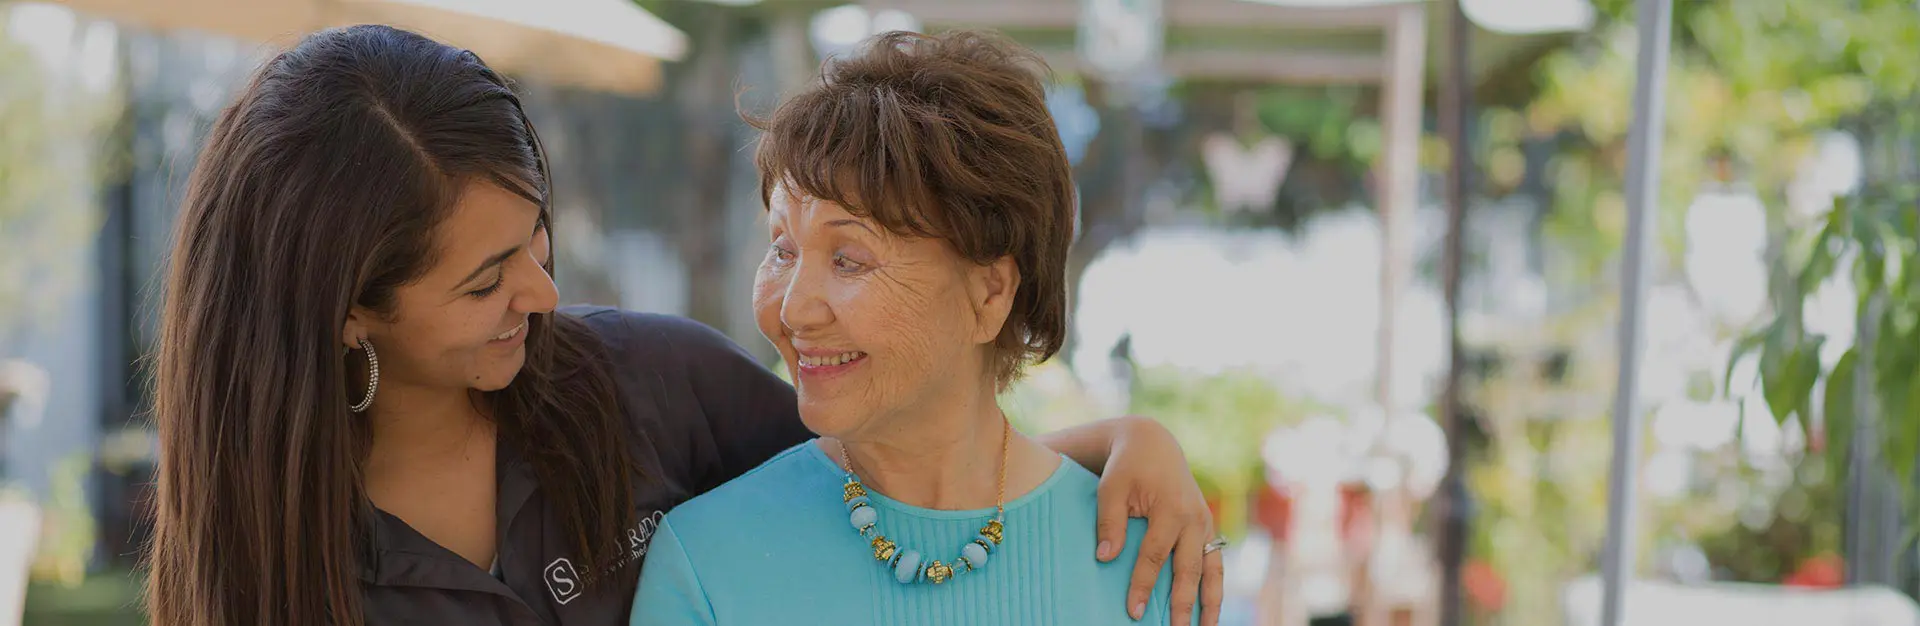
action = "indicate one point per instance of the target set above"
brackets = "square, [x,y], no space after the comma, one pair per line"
[393,553]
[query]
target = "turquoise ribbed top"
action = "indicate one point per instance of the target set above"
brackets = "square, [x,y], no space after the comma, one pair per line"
[775,547]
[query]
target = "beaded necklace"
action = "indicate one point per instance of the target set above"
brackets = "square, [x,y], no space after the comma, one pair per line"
[908,566]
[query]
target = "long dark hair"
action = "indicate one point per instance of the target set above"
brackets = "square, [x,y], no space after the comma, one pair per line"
[320,189]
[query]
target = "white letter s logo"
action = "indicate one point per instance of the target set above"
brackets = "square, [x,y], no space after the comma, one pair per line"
[562,580]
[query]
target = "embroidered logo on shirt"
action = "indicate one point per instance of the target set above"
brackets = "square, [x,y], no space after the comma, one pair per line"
[637,540]
[562,580]
[566,583]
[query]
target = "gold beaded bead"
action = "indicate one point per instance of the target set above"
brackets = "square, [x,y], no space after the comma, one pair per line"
[882,548]
[855,490]
[993,531]
[939,572]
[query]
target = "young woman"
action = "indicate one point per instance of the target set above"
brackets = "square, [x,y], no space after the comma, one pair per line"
[370,411]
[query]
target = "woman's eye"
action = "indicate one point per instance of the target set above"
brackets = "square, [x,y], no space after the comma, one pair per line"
[780,254]
[489,290]
[844,264]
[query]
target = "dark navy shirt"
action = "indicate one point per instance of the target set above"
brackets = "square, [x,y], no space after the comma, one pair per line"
[706,412]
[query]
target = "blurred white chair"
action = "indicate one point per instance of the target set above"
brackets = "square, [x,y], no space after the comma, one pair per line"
[19,537]
[23,396]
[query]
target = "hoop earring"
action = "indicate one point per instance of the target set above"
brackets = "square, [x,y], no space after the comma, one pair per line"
[373,377]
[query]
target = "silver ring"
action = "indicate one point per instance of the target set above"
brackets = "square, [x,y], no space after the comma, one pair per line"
[1216,545]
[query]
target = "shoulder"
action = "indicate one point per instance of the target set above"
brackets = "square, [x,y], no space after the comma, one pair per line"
[1071,495]
[632,334]
[1072,509]
[1074,497]
[730,545]
[780,510]
[776,487]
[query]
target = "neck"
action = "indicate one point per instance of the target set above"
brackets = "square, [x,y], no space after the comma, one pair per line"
[414,425]
[948,458]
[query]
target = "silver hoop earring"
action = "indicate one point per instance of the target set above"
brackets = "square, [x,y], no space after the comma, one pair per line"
[373,377]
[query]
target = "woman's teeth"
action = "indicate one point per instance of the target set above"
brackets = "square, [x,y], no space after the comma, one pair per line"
[509,334]
[829,361]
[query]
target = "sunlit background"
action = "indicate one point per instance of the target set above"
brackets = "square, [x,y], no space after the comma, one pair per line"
[1260,266]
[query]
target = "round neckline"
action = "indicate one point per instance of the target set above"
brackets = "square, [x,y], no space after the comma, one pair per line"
[881,499]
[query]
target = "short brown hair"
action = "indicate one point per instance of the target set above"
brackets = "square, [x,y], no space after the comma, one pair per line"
[948,137]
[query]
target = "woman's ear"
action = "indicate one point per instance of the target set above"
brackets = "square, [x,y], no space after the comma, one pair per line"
[355,329]
[991,288]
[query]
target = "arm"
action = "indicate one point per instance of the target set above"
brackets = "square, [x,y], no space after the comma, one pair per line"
[670,590]
[1143,473]
[1087,444]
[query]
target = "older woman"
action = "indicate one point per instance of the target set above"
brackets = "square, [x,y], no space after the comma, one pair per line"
[920,207]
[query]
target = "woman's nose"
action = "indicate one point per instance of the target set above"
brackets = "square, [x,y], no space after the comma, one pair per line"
[539,295]
[803,306]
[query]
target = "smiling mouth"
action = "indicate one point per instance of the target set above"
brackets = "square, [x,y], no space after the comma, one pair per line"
[830,361]
[515,332]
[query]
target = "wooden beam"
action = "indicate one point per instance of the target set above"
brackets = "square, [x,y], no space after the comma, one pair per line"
[1179,14]
[1398,182]
[1280,67]
[1250,14]
[1004,14]
[1291,67]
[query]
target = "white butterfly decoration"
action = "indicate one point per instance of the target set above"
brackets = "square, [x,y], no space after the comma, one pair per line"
[1119,37]
[1246,179]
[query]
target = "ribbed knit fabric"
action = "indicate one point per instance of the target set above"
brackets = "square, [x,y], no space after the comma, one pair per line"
[775,547]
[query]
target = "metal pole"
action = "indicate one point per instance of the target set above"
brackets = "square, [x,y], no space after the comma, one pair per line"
[1456,103]
[1643,184]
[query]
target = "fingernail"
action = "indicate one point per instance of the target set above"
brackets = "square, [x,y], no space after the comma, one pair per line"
[1106,549]
[1139,610]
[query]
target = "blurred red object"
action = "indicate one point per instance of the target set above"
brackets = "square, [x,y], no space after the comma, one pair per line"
[1273,509]
[1485,589]
[1818,572]
[1356,510]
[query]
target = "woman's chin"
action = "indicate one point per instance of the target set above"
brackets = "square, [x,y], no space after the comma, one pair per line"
[495,380]
[825,421]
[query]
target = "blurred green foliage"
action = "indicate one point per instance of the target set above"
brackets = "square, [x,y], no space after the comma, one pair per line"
[1541,509]
[68,530]
[1330,123]
[1221,420]
[1752,85]
[1798,524]
[46,182]
[109,599]
[1818,66]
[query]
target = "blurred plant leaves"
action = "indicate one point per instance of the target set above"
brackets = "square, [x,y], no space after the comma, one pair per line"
[47,183]
[1222,420]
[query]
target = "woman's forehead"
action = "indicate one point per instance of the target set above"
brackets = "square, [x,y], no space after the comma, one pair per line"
[484,221]
[484,206]
[791,205]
